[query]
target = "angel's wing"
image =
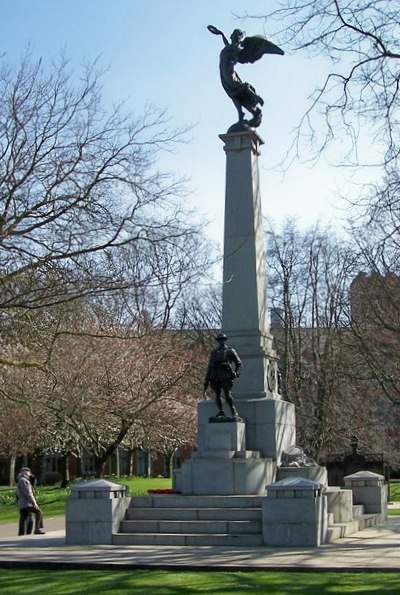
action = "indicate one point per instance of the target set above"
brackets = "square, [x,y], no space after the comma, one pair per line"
[253,48]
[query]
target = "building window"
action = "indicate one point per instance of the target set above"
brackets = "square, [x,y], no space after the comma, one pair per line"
[87,463]
[52,463]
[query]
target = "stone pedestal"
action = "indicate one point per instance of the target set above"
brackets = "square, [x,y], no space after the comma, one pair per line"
[223,436]
[270,425]
[234,474]
[370,490]
[222,465]
[294,514]
[94,511]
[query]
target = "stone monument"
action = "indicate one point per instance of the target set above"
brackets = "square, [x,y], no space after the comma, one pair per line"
[234,489]
[251,453]
[241,457]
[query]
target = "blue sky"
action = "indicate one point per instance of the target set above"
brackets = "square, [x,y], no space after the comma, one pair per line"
[159,51]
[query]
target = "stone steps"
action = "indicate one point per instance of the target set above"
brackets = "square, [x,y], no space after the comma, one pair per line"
[193,514]
[172,519]
[181,501]
[192,520]
[339,530]
[225,540]
[180,526]
[358,510]
[360,521]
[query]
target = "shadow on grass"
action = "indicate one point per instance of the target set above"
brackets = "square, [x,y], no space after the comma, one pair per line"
[156,582]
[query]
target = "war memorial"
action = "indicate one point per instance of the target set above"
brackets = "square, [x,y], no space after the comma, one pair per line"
[247,483]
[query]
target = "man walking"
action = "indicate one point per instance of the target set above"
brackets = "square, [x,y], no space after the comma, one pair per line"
[27,503]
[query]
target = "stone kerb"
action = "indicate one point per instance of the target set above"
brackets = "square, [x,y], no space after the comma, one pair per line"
[294,513]
[370,490]
[94,511]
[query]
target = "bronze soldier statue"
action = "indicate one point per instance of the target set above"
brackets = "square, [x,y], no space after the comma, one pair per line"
[220,374]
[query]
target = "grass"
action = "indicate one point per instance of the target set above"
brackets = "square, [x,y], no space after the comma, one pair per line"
[158,582]
[395,491]
[52,499]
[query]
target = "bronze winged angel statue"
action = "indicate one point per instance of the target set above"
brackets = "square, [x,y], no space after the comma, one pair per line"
[244,50]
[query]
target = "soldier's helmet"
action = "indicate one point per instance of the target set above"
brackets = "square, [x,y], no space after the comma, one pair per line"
[221,337]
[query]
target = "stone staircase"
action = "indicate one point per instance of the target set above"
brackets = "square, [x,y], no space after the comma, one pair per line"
[174,519]
[192,520]
[360,521]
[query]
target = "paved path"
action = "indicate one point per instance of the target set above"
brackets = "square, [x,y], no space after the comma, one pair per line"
[377,548]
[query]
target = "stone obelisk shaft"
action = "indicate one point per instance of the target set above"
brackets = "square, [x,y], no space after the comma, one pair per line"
[244,310]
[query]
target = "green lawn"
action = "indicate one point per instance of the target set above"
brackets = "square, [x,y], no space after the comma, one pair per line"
[157,582]
[395,491]
[52,499]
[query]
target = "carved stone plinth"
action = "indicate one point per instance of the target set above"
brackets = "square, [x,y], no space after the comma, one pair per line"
[222,465]
[225,436]
[270,425]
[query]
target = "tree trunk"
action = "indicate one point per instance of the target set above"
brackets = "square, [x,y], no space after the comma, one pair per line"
[117,462]
[79,466]
[131,462]
[37,465]
[12,470]
[65,477]
[99,464]
[171,460]
[149,463]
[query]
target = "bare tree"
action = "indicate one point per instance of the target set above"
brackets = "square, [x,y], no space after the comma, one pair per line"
[310,274]
[358,99]
[97,256]
[361,38]
[376,328]
[338,354]
[77,183]
[376,226]
[376,292]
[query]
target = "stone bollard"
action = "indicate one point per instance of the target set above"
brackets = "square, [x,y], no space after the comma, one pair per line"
[94,511]
[370,490]
[294,513]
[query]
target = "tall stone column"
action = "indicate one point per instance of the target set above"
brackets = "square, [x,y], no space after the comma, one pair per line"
[244,310]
